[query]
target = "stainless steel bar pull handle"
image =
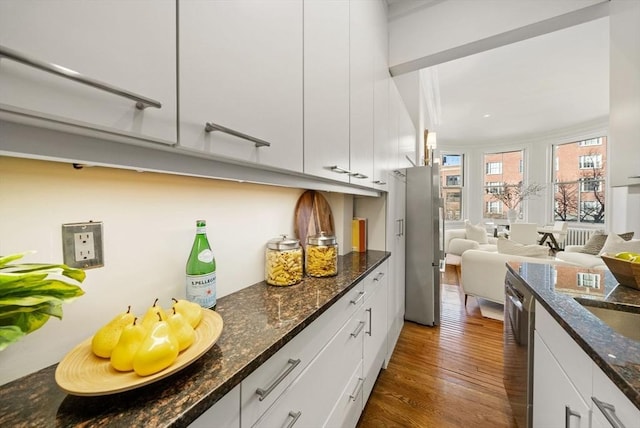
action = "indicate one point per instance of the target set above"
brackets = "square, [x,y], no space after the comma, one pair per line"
[263,393]
[356,391]
[357,299]
[358,175]
[339,170]
[568,413]
[379,276]
[58,70]
[380,182]
[609,412]
[370,325]
[357,331]
[295,416]
[210,127]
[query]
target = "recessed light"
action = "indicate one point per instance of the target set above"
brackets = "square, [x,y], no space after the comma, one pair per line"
[487,115]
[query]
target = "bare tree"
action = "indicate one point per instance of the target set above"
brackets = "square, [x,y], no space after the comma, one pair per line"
[566,202]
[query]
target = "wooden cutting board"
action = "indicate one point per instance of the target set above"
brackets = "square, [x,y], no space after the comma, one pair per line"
[312,216]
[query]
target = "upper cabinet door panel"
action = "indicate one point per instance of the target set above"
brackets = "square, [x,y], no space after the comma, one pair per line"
[326,87]
[362,42]
[129,45]
[241,67]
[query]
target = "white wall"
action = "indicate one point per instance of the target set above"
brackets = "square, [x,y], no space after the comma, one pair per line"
[472,20]
[149,227]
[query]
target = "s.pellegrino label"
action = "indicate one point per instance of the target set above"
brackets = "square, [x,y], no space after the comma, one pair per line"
[201,270]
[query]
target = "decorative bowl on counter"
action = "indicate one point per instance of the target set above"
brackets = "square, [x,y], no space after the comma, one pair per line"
[627,273]
[82,373]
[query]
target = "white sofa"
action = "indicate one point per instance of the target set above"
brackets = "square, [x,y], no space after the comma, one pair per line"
[456,242]
[482,272]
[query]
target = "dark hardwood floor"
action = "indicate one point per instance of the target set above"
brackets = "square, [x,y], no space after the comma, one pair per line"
[445,376]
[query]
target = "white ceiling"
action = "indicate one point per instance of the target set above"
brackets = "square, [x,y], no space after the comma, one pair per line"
[542,85]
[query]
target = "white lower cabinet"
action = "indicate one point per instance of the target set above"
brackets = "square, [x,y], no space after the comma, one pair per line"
[569,389]
[608,404]
[312,396]
[224,414]
[375,338]
[347,410]
[263,387]
[556,402]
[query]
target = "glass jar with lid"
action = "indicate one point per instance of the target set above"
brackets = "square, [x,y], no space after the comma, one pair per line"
[321,255]
[283,261]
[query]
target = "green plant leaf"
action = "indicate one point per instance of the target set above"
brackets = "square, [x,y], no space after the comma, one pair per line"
[9,334]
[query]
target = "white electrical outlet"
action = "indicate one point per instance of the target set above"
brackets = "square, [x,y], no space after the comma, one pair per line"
[82,245]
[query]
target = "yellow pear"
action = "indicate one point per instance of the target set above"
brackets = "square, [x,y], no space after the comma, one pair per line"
[106,338]
[159,349]
[151,316]
[183,331]
[191,311]
[129,343]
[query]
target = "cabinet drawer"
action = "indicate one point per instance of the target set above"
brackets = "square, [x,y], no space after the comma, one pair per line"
[376,279]
[273,377]
[605,391]
[571,357]
[224,414]
[347,409]
[312,395]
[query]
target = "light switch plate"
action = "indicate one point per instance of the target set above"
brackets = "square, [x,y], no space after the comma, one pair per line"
[82,245]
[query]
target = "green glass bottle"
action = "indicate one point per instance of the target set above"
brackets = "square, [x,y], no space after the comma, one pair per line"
[201,270]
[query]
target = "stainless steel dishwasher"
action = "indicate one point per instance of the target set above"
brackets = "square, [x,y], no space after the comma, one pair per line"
[519,318]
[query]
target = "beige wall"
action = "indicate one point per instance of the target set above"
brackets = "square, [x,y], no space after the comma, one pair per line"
[149,226]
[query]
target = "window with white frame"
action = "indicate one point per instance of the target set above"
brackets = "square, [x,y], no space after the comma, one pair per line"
[492,168]
[452,180]
[579,181]
[590,161]
[590,142]
[493,207]
[502,170]
[590,186]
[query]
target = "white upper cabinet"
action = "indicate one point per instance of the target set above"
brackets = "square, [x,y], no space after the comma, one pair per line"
[106,46]
[381,78]
[624,92]
[241,68]
[362,41]
[326,88]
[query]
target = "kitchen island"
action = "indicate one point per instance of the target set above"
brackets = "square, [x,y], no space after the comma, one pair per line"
[258,321]
[564,291]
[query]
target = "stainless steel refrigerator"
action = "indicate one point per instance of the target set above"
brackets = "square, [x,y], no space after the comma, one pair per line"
[424,245]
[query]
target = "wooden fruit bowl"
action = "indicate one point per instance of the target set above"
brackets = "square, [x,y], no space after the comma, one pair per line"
[627,273]
[82,373]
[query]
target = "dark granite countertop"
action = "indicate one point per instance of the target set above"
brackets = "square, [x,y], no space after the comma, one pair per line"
[558,289]
[258,321]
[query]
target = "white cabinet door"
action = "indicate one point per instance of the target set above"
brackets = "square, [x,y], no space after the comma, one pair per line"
[396,240]
[381,78]
[224,414]
[402,131]
[624,126]
[362,39]
[241,68]
[311,397]
[375,339]
[556,403]
[612,401]
[128,45]
[326,88]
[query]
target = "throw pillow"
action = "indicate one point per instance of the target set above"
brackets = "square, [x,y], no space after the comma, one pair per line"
[476,233]
[507,246]
[596,242]
[616,244]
